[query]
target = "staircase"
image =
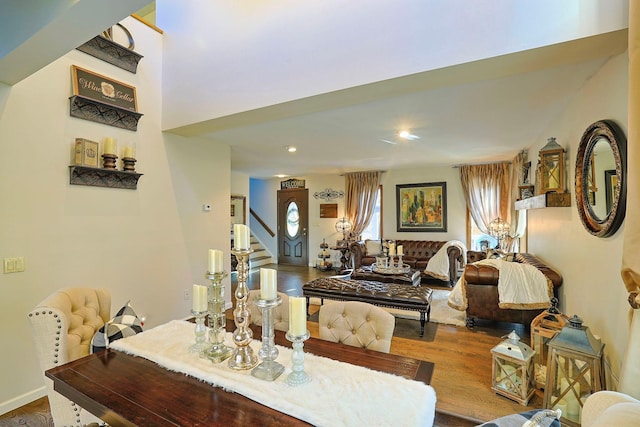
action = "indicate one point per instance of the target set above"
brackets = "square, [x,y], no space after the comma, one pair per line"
[260,255]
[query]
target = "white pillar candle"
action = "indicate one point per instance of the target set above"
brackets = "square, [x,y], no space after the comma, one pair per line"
[215,261]
[268,283]
[399,250]
[241,237]
[199,298]
[109,146]
[297,316]
[392,249]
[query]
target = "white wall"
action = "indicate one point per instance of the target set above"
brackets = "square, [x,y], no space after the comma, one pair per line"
[254,54]
[590,266]
[146,245]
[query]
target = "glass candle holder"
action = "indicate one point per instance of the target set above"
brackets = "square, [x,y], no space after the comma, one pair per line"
[269,369]
[200,332]
[297,376]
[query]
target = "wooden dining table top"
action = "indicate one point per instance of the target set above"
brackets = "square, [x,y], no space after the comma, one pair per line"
[125,390]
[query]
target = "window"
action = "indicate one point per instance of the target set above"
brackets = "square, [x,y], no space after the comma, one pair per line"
[374,229]
[479,241]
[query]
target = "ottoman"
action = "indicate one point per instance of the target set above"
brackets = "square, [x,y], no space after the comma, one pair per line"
[392,295]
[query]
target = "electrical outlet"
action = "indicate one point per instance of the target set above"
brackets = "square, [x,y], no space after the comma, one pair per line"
[185,294]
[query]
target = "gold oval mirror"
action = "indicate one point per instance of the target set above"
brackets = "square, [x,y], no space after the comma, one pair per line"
[600,181]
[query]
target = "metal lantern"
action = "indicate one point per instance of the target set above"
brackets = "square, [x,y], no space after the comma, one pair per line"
[512,372]
[544,327]
[551,167]
[574,370]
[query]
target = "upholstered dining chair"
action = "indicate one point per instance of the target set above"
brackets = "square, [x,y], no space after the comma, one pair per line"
[356,323]
[280,313]
[63,326]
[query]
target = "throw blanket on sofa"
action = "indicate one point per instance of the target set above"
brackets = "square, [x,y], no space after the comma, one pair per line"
[520,287]
[438,265]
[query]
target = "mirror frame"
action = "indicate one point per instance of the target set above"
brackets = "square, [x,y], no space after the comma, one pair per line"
[612,133]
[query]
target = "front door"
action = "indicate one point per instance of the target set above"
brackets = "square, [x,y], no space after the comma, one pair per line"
[293,219]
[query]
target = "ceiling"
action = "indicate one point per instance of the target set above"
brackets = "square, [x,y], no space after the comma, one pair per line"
[478,112]
[483,111]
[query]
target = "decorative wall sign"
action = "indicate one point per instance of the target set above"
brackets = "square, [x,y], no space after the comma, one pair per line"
[292,183]
[422,207]
[103,89]
[328,194]
[329,210]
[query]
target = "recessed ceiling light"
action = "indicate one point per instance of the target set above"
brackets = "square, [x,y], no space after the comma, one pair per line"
[280,175]
[291,148]
[405,134]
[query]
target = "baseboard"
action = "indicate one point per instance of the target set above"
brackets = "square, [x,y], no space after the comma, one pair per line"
[22,400]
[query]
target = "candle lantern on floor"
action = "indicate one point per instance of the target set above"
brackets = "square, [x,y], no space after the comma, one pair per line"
[574,370]
[544,327]
[512,372]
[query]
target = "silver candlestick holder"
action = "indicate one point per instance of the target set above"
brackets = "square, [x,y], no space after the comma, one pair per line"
[297,376]
[242,357]
[269,369]
[400,263]
[200,331]
[217,351]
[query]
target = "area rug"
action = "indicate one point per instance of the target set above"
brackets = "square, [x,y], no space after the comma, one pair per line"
[440,310]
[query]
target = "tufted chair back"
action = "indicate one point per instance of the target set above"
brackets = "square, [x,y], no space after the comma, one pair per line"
[280,313]
[357,324]
[63,326]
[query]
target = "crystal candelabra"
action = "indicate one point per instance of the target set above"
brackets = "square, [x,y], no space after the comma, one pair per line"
[297,376]
[200,332]
[218,351]
[242,357]
[269,369]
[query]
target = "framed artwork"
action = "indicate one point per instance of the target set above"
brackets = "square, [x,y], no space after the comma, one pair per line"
[610,183]
[328,210]
[526,191]
[103,89]
[421,207]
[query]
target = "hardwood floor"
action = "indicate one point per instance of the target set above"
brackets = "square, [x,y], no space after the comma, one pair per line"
[462,357]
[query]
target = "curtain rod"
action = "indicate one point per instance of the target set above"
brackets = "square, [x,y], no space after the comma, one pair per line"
[343,174]
[479,164]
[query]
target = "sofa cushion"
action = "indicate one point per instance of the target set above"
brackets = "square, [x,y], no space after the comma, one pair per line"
[373,247]
[124,324]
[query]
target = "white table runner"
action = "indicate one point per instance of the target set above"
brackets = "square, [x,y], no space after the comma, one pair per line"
[339,394]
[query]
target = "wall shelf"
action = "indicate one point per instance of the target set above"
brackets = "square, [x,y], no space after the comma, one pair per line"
[100,177]
[95,111]
[112,52]
[549,200]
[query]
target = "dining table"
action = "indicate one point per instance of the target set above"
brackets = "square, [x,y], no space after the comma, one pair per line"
[125,390]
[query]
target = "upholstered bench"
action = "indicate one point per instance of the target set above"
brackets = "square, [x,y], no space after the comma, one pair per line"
[392,295]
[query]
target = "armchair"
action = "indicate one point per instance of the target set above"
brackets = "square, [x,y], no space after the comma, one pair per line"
[63,326]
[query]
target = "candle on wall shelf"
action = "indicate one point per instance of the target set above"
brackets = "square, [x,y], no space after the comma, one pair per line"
[297,316]
[199,298]
[109,146]
[268,284]
[129,152]
[241,237]
[215,261]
